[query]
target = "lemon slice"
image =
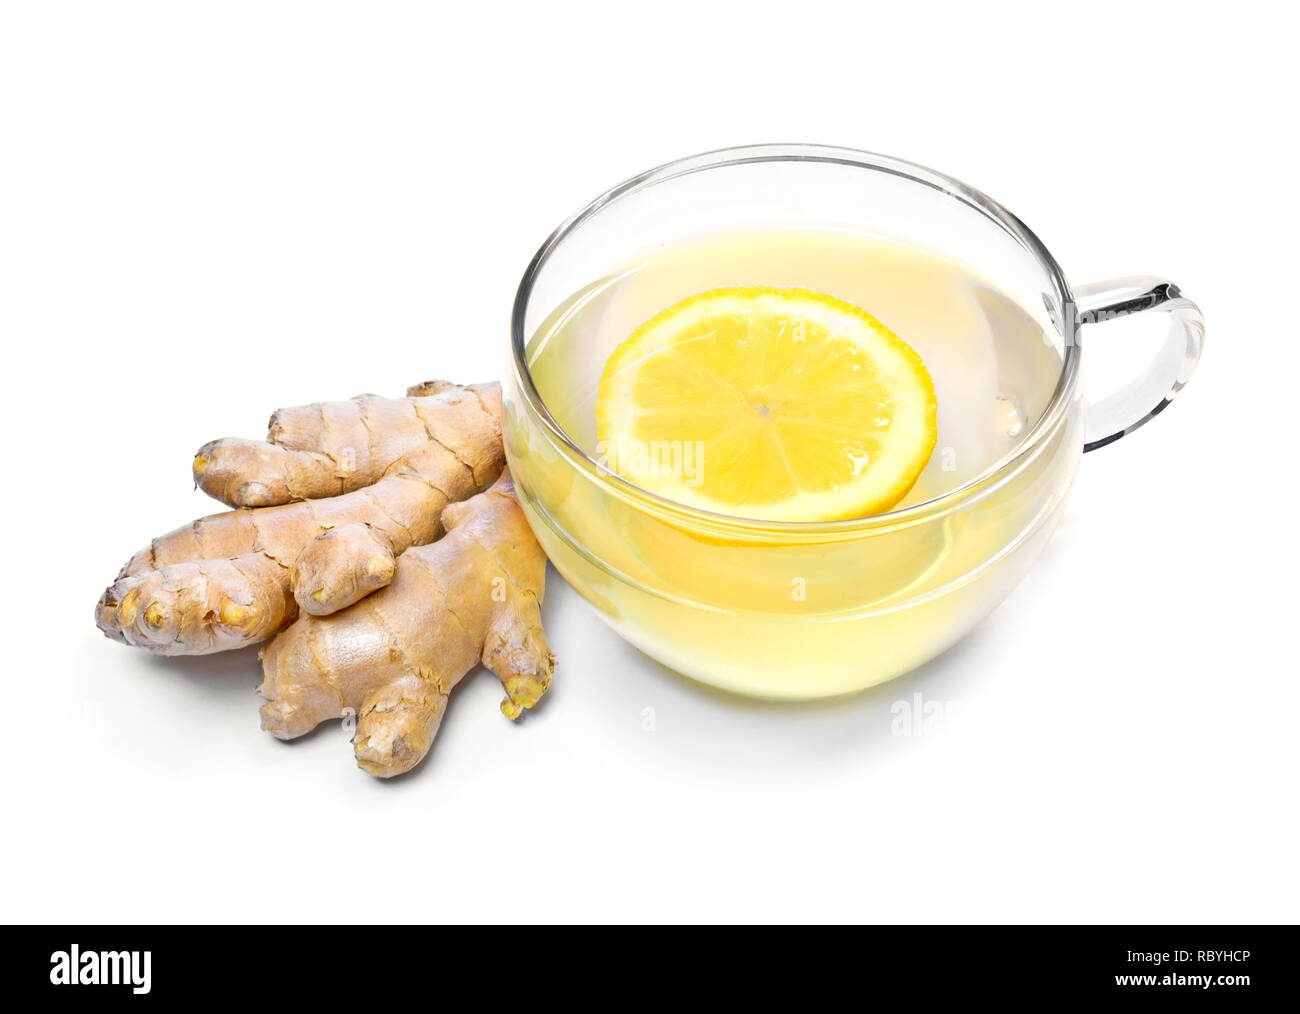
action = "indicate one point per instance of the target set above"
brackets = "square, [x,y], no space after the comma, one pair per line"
[774,404]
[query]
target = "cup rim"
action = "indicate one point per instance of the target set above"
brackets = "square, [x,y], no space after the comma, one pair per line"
[974,489]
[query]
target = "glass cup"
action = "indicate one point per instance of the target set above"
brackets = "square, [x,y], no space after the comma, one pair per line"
[805,610]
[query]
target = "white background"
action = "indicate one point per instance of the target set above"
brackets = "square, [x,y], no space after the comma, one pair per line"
[211,210]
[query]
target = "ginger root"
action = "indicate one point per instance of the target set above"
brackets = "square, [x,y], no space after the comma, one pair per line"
[338,547]
[332,448]
[392,659]
[234,579]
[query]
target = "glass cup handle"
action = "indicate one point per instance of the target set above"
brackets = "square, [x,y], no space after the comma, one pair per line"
[1149,393]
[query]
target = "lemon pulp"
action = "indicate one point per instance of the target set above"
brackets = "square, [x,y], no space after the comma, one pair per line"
[774,404]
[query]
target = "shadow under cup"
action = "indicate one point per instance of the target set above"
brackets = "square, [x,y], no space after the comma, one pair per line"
[787,610]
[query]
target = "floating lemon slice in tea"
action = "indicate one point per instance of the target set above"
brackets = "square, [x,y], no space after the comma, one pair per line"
[774,404]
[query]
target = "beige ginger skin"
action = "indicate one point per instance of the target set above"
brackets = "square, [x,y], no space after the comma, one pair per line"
[235,579]
[393,658]
[365,544]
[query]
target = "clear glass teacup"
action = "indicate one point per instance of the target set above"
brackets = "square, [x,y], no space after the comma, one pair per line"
[813,609]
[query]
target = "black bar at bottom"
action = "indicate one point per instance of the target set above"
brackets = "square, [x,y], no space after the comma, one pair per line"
[1237,965]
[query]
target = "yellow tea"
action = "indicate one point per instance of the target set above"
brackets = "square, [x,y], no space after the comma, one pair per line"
[777,614]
